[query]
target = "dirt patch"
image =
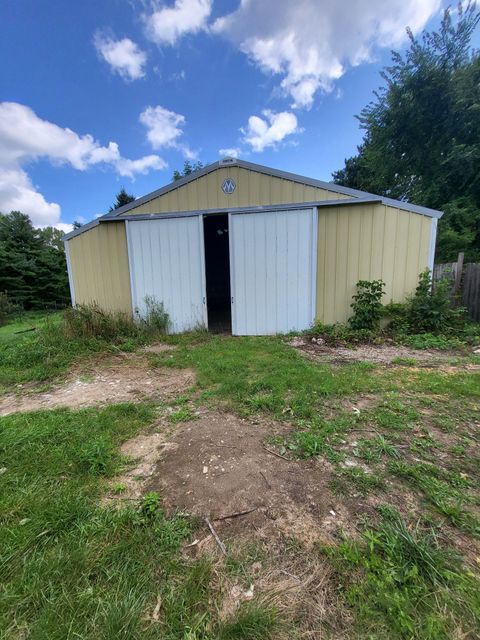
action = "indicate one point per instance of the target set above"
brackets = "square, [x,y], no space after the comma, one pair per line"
[122,378]
[218,465]
[144,451]
[379,354]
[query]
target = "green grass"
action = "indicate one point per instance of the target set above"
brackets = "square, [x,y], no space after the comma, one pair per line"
[264,374]
[400,582]
[32,320]
[251,623]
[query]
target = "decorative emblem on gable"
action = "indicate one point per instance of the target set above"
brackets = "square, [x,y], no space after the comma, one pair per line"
[228,186]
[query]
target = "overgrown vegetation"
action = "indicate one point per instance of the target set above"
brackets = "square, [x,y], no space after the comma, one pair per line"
[60,340]
[422,132]
[428,319]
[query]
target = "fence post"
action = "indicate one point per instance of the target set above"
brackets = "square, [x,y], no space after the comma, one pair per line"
[458,274]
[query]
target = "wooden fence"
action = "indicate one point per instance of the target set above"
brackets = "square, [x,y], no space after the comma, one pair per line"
[465,283]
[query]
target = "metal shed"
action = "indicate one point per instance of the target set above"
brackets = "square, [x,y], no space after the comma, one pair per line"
[251,249]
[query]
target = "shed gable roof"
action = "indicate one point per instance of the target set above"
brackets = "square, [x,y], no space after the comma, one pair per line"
[269,171]
[337,191]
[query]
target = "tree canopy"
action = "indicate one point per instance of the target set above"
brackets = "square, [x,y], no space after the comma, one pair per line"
[422,132]
[33,270]
[122,198]
[188,168]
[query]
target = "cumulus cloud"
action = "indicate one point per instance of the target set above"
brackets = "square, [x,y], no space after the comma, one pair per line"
[309,43]
[166,25]
[164,129]
[24,137]
[123,56]
[229,152]
[17,193]
[270,130]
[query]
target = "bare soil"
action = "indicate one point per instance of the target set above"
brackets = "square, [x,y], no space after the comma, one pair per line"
[219,465]
[122,378]
[378,354]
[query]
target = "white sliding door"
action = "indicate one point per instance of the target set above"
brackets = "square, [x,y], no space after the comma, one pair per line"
[273,271]
[166,258]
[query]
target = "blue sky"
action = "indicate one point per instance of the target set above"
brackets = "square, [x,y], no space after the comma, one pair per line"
[108,93]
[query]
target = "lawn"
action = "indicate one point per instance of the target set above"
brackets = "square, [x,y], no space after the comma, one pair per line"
[399,443]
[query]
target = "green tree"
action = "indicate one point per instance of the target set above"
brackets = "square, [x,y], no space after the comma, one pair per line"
[122,198]
[188,168]
[19,252]
[32,263]
[422,132]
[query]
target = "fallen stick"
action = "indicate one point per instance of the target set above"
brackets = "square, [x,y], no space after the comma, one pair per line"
[24,331]
[274,453]
[215,535]
[237,514]
[267,482]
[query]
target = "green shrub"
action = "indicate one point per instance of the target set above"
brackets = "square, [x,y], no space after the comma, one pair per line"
[396,316]
[430,309]
[367,305]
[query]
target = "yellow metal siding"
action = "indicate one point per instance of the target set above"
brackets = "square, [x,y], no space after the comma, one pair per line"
[367,242]
[253,188]
[99,263]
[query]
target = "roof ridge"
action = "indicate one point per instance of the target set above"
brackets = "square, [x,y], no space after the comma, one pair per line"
[277,173]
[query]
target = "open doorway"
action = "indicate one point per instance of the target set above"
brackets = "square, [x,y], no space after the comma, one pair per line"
[217,271]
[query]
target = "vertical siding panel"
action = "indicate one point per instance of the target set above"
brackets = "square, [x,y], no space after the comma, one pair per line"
[378,232]
[424,244]
[341,264]
[202,193]
[100,272]
[282,272]
[388,263]
[402,238]
[331,256]
[413,251]
[354,215]
[254,188]
[365,243]
[321,233]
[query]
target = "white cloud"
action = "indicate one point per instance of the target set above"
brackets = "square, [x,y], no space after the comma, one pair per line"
[17,193]
[123,56]
[24,137]
[270,130]
[64,226]
[143,165]
[164,128]
[309,43]
[167,24]
[229,152]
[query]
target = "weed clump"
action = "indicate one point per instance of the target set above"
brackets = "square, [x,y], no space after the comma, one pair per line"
[90,321]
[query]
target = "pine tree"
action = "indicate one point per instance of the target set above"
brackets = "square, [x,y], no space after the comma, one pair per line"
[122,199]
